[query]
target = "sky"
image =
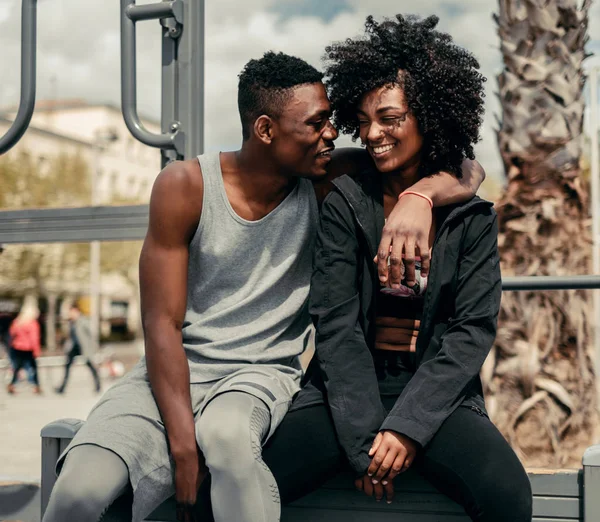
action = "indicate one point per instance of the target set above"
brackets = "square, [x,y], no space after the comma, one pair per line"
[79,51]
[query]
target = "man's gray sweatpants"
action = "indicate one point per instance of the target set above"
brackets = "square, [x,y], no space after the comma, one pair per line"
[230,432]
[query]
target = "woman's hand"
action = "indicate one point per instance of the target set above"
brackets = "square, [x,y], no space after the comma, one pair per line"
[406,231]
[365,484]
[392,453]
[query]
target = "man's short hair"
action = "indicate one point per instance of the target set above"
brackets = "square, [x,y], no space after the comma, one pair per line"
[266,85]
[75,306]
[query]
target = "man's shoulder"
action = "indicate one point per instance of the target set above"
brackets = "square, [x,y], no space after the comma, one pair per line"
[176,200]
[184,177]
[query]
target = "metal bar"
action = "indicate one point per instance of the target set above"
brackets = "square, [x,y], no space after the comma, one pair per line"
[190,86]
[551,282]
[157,11]
[169,85]
[28,56]
[171,140]
[74,224]
[130,222]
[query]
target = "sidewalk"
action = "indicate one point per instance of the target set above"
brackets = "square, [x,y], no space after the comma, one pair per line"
[23,415]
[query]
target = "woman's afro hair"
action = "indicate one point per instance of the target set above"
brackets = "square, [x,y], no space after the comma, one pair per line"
[442,86]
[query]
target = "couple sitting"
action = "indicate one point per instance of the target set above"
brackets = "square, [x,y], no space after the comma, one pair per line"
[237,265]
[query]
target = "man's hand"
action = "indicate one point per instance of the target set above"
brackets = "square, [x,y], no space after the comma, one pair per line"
[406,232]
[377,490]
[392,453]
[190,471]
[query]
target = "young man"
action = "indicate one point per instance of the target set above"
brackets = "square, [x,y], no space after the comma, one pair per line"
[80,340]
[224,275]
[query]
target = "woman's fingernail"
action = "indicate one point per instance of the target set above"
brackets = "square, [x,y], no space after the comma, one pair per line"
[375,481]
[384,482]
[389,501]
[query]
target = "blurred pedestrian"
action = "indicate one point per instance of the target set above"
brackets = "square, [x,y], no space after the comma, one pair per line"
[26,342]
[80,342]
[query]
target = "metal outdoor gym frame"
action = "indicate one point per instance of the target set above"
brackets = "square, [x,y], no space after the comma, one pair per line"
[182,115]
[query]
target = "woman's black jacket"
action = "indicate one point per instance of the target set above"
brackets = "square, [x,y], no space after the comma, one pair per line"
[458,325]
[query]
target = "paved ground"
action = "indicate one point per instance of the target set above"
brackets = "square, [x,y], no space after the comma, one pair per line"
[24,414]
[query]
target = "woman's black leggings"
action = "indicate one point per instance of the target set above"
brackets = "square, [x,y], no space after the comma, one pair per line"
[468,460]
[21,357]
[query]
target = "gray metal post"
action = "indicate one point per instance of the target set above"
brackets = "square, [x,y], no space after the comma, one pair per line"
[591,484]
[27,99]
[170,40]
[190,87]
[182,105]
[171,140]
[183,80]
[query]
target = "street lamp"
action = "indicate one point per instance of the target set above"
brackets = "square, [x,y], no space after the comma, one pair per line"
[102,138]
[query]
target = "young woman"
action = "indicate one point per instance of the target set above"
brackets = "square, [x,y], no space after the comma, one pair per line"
[401,364]
[26,342]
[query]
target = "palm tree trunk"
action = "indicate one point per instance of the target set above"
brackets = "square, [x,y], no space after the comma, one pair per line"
[540,378]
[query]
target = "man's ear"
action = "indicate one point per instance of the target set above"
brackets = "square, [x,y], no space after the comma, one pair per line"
[264,128]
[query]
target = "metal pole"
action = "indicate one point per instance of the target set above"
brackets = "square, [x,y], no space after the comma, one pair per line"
[162,9]
[27,100]
[172,140]
[520,283]
[595,175]
[190,81]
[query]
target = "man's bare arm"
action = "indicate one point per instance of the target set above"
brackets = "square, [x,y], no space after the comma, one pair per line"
[407,229]
[175,208]
[445,188]
[406,232]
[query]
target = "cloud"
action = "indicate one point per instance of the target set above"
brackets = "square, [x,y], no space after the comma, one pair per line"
[79,56]
[326,11]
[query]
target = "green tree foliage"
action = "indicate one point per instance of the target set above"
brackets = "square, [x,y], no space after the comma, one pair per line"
[30,182]
[59,181]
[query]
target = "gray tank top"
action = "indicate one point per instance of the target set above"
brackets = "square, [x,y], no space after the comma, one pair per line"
[248,283]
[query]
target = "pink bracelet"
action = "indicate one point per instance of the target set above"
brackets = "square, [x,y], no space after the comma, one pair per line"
[426,198]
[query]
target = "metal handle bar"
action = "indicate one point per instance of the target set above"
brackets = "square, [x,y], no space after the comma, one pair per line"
[550,282]
[130,13]
[27,100]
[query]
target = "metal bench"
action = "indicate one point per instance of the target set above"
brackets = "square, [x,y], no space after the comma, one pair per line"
[559,496]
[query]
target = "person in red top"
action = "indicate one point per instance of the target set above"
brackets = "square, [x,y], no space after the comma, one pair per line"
[26,342]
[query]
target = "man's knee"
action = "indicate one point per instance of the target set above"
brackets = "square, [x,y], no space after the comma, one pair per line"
[75,499]
[232,441]
[91,479]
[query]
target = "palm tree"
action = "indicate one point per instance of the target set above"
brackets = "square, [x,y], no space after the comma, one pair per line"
[540,379]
